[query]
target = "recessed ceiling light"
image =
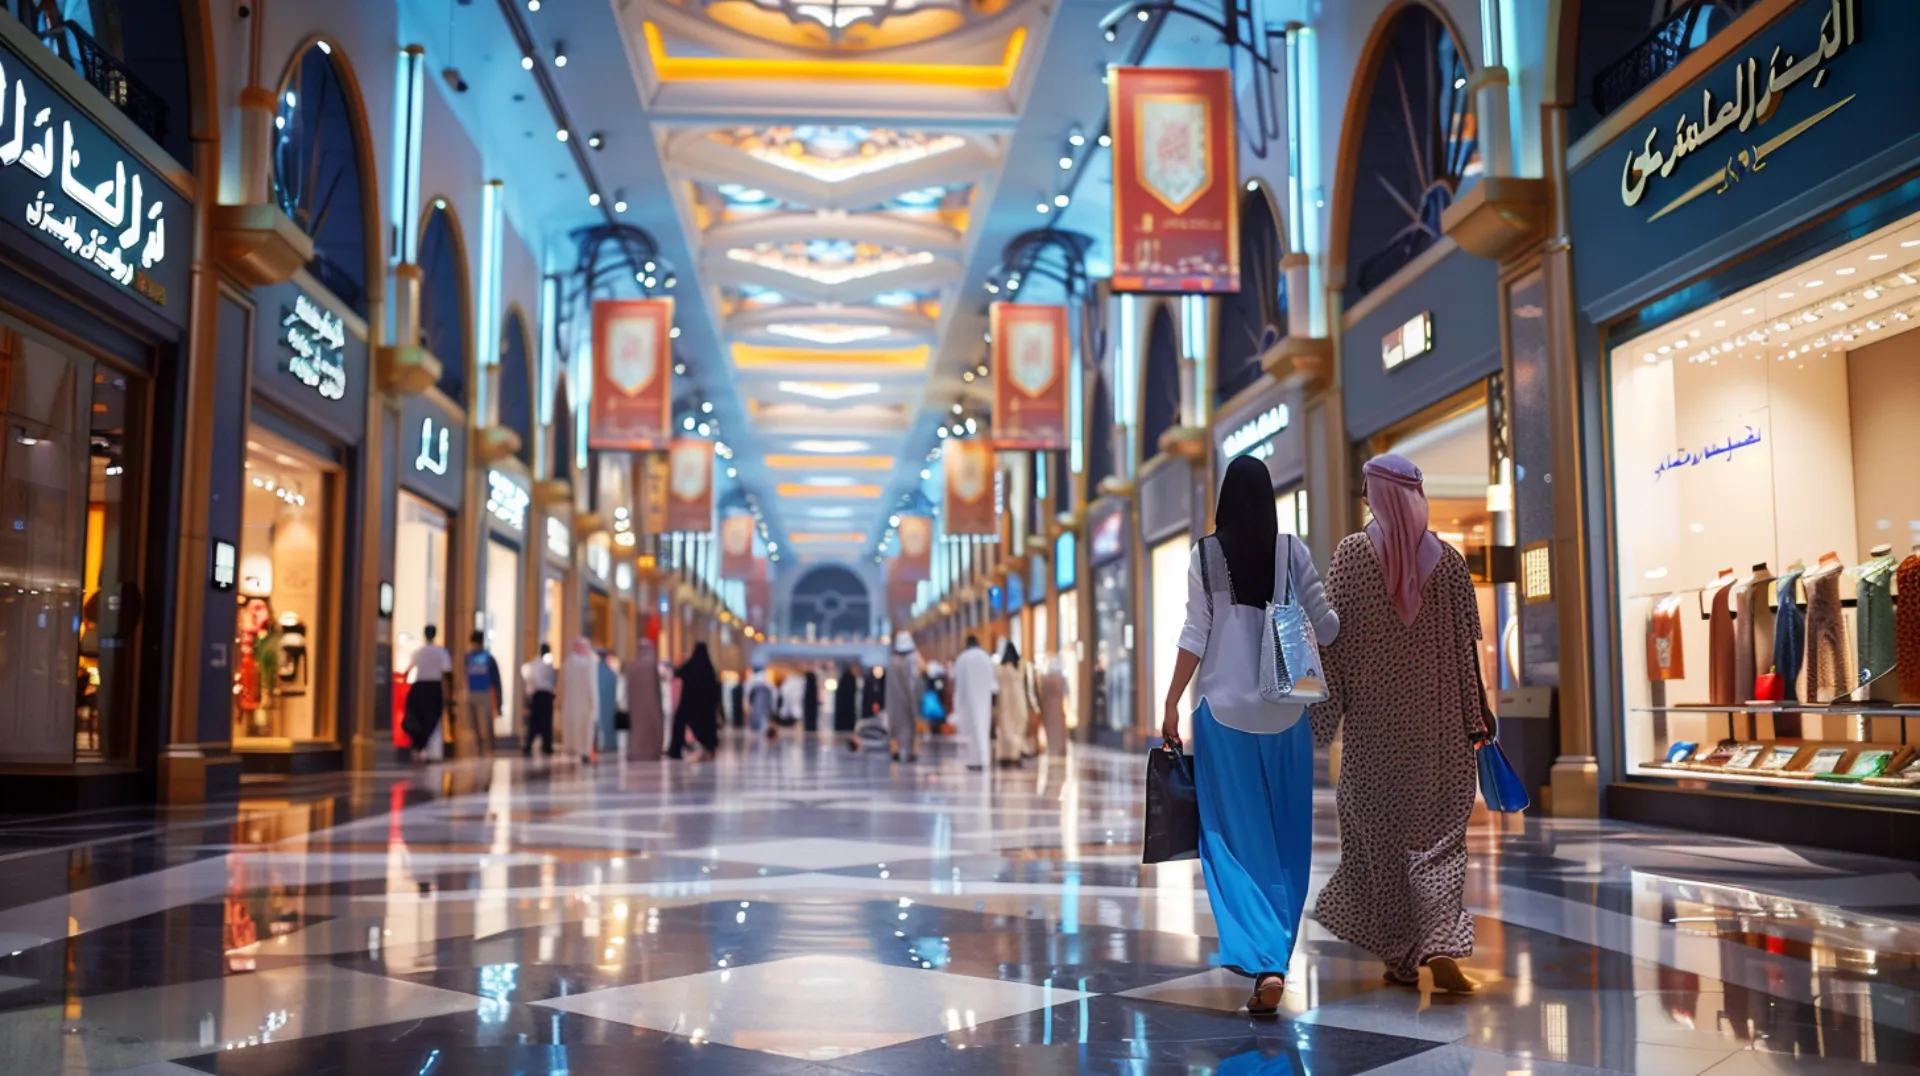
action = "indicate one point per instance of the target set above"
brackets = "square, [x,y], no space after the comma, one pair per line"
[1042,207]
[1748,310]
[1876,257]
[1845,271]
[1910,243]
[1664,349]
[1785,295]
[1649,357]
[1813,283]
[830,390]
[1721,324]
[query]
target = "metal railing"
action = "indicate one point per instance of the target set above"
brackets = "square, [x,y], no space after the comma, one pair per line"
[99,66]
[1662,50]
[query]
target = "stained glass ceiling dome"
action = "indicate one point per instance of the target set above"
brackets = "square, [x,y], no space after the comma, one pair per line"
[846,25]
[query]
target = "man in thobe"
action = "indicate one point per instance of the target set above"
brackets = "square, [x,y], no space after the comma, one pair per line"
[973,701]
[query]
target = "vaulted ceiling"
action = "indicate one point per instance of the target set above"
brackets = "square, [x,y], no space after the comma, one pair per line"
[832,182]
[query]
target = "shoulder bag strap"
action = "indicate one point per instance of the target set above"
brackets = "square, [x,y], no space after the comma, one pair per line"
[1206,577]
[1283,566]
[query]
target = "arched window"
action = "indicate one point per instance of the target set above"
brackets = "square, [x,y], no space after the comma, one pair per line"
[1418,145]
[831,600]
[560,463]
[1099,433]
[1159,384]
[1255,317]
[443,307]
[516,383]
[319,170]
[133,51]
[1622,49]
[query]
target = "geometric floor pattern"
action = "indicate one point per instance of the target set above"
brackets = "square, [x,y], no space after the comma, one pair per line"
[793,908]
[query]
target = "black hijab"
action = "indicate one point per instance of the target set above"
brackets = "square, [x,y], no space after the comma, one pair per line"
[1010,655]
[1248,525]
[699,683]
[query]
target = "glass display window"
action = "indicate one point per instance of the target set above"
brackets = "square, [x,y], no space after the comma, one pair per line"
[1113,701]
[1167,612]
[420,586]
[1067,615]
[1767,511]
[503,629]
[284,596]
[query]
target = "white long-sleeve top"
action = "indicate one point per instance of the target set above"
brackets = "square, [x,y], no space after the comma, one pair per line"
[973,689]
[1226,637]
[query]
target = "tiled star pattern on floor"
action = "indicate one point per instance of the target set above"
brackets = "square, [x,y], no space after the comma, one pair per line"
[795,909]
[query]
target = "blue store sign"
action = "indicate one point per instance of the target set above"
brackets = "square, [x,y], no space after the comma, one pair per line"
[1812,110]
[78,190]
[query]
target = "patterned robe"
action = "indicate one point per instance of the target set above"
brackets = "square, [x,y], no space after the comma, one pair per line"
[1409,699]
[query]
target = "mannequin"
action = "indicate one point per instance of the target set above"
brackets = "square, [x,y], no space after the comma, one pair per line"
[1875,615]
[1752,629]
[1789,631]
[1827,661]
[1906,626]
[1721,661]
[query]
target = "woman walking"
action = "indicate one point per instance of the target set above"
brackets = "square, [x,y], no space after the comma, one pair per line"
[846,700]
[1405,682]
[1252,759]
[698,710]
[645,729]
[1013,708]
[903,697]
[580,699]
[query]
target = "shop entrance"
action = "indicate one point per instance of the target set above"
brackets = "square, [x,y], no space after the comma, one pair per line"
[503,630]
[420,583]
[285,596]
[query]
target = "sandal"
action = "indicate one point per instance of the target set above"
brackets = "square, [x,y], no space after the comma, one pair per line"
[1264,1003]
[1447,976]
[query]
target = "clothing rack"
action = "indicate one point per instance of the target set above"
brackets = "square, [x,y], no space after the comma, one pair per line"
[1774,607]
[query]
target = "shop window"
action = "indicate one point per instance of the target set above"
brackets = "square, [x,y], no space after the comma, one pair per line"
[1160,384]
[1767,509]
[283,595]
[318,168]
[132,51]
[1417,148]
[1254,318]
[516,384]
[420,592]
[443,307]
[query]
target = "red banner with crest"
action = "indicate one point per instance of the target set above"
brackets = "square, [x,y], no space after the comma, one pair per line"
[915,560]
[1030,356]
[632,374]
[1176,192]
[736,547]
[969,481]
[690,485]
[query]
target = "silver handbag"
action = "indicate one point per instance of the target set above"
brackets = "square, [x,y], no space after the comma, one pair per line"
[1290,652]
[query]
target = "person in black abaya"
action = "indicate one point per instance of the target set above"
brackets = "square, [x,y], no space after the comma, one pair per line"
[699,708]
[810,702]
[870,697]
[846,700]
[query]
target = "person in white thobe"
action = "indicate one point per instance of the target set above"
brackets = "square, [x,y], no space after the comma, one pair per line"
[580,700]
[973,686]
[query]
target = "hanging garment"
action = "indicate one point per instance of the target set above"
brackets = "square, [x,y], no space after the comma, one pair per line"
[1789,633]
[1827,661]
[1722,664]
[1874,616]
[1665,658]
[1752,631]
[1906,627]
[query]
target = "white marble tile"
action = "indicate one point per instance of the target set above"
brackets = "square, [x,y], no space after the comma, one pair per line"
[813,853]
[813,1007]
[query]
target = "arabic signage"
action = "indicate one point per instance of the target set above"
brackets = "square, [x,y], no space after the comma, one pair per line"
[1030,356]
[559,539]
[632,374]
[690,485]
[1802,117]
[915,560]
[1722,449]
[1109,536]
[77,189]
[433,451]
[1176,192]
[736,547]
[508,499]
[307,360]
[970,485]
[1409,340]
[1264,429]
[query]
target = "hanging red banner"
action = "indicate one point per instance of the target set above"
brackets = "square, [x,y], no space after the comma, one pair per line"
[649,471]
[690,485]
[1176,201]
[736,547]
[900,593]
[632,374]
[1030,357]
[969,481]
[759,595]
[915,561]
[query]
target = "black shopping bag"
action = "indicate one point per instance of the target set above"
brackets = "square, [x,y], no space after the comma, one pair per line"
[1173,812]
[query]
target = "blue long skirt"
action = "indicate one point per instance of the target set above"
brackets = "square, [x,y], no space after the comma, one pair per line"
[1256,837]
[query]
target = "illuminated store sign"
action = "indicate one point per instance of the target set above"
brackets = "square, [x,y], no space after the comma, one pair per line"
[1255,436]
[559,543]
[79,190]
[1408,341]
[623,576]
[508,500]
[316,339]
[433,454]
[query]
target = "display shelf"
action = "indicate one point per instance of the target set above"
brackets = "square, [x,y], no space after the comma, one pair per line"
[1905,710]
[1739,777]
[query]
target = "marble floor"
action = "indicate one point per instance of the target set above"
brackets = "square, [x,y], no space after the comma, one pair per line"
[796,909]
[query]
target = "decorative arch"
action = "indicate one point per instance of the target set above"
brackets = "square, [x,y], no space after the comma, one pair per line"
[517,388]
[1407,141]
[322,170]
[445,298]
[832,598]
[1159,381]
[560,460]
[1254,318]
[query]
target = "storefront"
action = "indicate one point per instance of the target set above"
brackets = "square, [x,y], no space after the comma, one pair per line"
[93,309]
[1166,533]
[557,557]
[509,511]
[599,561]
[1752,465]
[1110,541]
[1039,641]
[306,422]
[1017,614]
[426,555]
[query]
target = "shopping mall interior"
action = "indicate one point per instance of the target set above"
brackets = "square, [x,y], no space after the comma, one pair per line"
[713,536]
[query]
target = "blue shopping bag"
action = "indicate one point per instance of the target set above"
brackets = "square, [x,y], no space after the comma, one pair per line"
[1500,786]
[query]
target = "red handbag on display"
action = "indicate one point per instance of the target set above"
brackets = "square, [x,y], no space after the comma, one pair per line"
[1769,687]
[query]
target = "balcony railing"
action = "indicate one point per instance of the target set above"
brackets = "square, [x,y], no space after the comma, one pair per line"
[1662,50]
[100,67]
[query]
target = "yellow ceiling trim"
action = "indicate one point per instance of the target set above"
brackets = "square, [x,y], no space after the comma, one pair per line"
[847,538]
[752,355]
[783,462]
[735,69]
[803,489]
